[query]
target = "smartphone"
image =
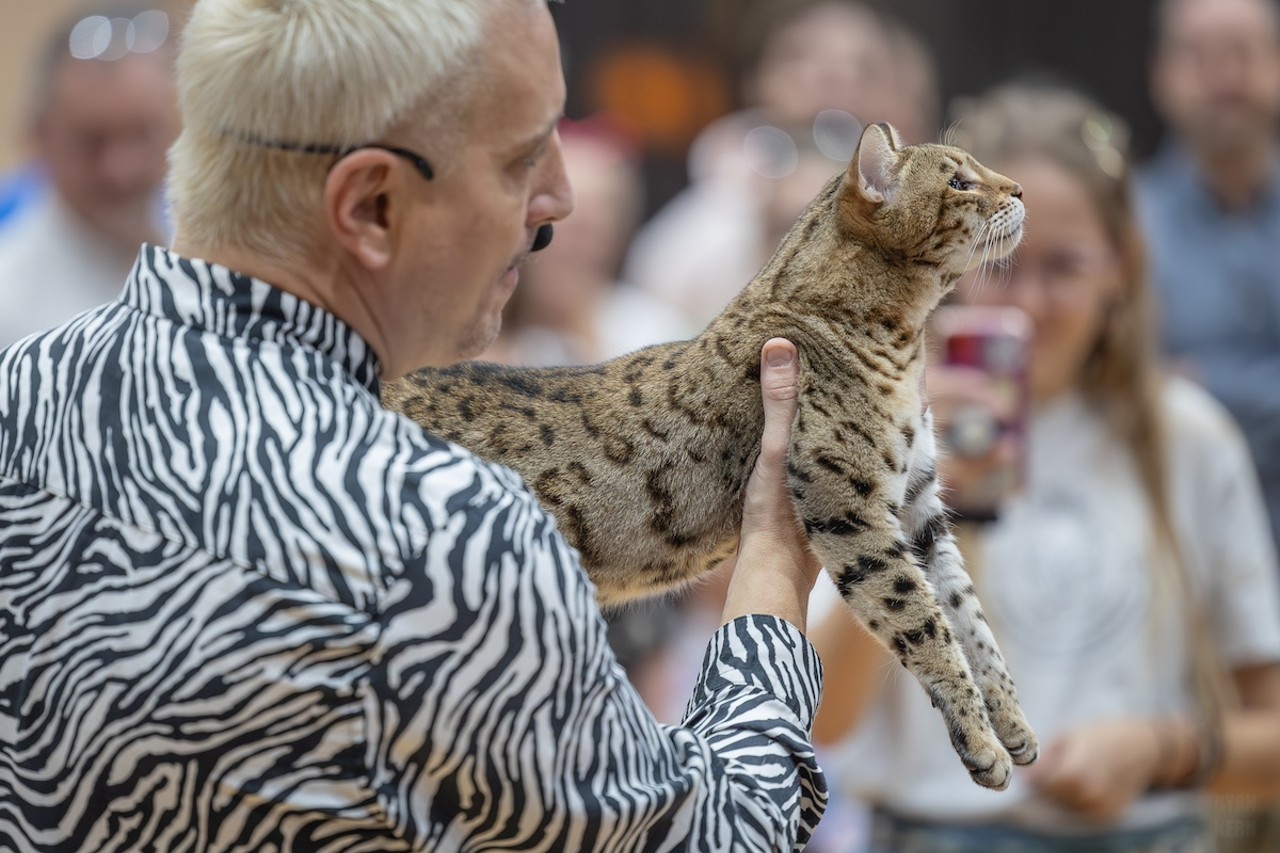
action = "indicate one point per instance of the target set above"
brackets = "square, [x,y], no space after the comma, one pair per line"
[995,343]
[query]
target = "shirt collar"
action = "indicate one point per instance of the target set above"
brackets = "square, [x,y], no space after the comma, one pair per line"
[211,297]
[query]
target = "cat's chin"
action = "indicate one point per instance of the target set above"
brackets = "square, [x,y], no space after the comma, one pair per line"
[996,247]
[1002,245]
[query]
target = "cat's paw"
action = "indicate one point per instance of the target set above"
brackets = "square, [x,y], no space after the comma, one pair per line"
[1011,727]
[988,763]
[1024,753]
[972,736]
[1020,742]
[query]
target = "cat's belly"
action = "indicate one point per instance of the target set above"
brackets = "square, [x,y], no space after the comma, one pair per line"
[642,531]
[618,584]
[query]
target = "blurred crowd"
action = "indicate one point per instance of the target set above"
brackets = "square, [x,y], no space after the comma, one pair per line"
[1130,567]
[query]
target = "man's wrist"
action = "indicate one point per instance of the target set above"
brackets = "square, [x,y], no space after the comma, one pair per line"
[761,592]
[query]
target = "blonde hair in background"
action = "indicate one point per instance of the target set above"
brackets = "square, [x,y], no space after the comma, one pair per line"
[1122,376]
[305,72]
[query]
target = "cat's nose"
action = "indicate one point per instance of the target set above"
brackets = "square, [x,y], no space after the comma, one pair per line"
[1016,192]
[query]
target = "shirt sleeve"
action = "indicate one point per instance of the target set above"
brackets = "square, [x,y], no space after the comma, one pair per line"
[498,716]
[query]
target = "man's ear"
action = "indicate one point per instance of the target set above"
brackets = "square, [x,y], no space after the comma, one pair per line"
[870,169]
[360,205]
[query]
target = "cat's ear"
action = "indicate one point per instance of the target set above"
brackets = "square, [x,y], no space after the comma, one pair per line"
[870,170]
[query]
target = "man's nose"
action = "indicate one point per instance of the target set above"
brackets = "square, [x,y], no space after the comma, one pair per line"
[553,200]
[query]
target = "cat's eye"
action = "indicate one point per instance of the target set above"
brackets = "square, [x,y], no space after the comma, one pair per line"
[959,185]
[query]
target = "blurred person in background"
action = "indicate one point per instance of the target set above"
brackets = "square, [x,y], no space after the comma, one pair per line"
[102,117]
[818,70]
[1210,205]
[19,187]
[1131,582]
[571,307]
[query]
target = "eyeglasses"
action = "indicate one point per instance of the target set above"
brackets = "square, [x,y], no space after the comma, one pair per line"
[108,39]
[419,162]
[775,153]
[1059,274]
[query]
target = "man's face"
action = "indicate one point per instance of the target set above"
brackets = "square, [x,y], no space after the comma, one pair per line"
[479,215]
[103,135]
[1217,73]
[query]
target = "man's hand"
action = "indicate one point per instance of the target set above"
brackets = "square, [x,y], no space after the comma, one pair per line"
[774,570]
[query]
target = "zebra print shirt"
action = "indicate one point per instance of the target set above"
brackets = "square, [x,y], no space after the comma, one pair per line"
[244,608]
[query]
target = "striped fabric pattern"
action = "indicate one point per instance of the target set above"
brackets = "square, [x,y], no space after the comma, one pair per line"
[244,608]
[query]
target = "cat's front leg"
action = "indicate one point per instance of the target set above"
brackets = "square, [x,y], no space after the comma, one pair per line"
[933,544]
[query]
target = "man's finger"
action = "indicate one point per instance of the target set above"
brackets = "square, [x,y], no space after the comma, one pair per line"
[780,385]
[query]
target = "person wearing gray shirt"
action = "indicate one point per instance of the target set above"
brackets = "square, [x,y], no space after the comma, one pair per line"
[1210,207]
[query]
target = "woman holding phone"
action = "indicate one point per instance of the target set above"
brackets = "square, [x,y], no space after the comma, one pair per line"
[1128,572]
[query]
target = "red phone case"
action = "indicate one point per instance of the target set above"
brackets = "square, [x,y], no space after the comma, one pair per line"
[996,341]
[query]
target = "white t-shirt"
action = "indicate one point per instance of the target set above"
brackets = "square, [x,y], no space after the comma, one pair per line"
[1066,583]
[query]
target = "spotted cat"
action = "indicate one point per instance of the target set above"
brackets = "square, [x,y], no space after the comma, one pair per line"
[643,460]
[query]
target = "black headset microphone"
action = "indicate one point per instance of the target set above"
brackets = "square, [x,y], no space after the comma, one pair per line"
[542,239]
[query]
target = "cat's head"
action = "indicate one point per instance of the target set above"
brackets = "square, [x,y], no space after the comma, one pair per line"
[932,204]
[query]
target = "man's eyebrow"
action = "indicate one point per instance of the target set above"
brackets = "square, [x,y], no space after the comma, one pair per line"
[541,137]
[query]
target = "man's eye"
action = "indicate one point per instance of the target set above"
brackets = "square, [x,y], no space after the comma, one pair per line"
[959,185]
[527,164]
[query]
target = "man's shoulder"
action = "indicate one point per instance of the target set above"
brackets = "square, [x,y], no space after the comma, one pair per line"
[438,480]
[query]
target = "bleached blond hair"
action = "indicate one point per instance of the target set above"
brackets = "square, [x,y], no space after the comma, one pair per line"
[336,73]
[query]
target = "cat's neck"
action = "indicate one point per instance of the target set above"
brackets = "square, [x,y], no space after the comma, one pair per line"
[851,289]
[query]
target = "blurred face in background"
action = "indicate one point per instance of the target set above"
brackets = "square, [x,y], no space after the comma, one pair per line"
[1217,73]
[102,134]
[844,56]
[1065,274]
[565,281]
[834,57]
[785,197]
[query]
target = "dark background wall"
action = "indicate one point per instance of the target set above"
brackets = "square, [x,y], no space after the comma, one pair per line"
[1102,46]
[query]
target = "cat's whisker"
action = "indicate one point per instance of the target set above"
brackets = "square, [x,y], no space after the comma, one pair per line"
[984,271]
[979,240]
[950,134]
[973,246]
[984,262]
[1002,272]
[992,265]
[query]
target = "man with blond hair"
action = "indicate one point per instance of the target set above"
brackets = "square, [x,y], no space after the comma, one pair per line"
[244,608]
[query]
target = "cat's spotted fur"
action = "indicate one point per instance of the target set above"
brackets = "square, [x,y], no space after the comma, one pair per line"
[643,460]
